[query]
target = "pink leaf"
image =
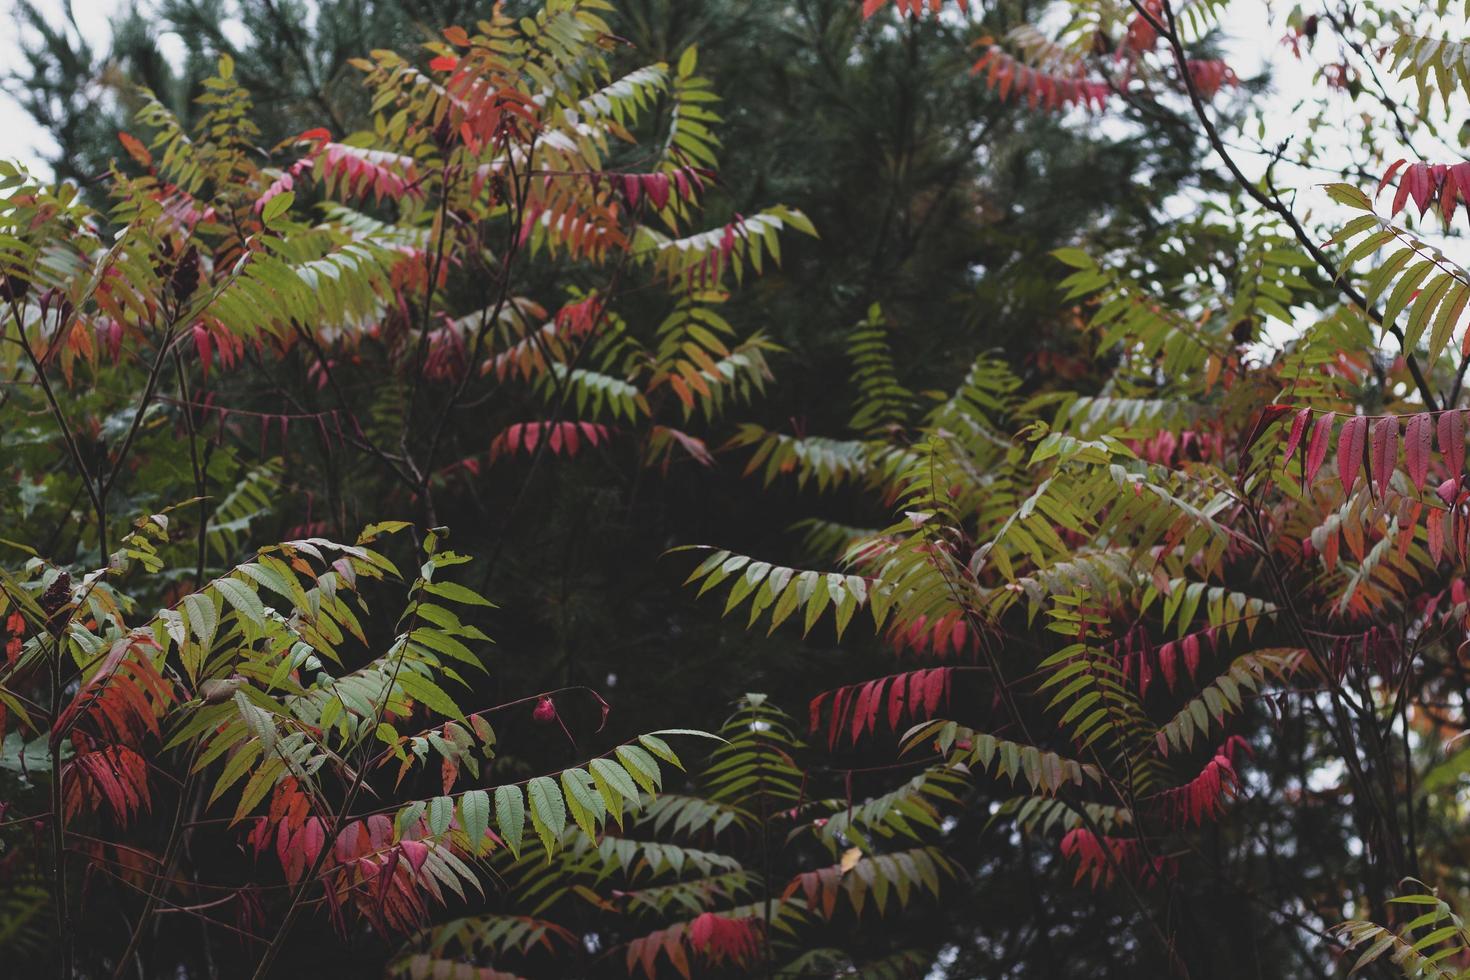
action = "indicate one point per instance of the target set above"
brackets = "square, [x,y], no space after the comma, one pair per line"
[1385,451]
[1452,442]
[1317,447]
[1298,429]
[1350,447]
[1191,653]
[1417,436]
[656,186]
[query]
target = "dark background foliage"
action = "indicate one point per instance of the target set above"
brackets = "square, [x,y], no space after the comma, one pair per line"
[931,196]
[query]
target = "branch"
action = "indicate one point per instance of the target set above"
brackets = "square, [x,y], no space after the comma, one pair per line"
[1273,204]
[98,504]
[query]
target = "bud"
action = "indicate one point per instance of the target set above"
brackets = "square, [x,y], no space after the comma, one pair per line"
[185,279]
[56,597]
[220,691]
[13,288]
[444,134]
[57,594]
[545,712]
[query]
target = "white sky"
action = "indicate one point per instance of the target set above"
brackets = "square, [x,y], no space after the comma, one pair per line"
[22,139]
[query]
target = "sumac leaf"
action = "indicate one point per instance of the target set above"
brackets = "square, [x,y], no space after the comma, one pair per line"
[1435,525]
[1452,442]
[510,816]
[1350,447]
[474,816]
[1418,435]
[1317,447]
[1385,451]
[1298,429]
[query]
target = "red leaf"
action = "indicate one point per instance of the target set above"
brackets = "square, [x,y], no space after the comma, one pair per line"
[1388,174]
[1415,183]
[380,831]
[1317,447]
[839,705]
[283,847]
[1417,436]
[1350,451]
[417,853]
[1385,451]
[1298,429]
[1456,188]
[1191,654]
[310,839]
[1447,192]
[1268,415]
[1452,442]
[936,686]
[656,186]
[1166,664]
[205,347]
[1435,524]
[444,62]
[135,149]
[816,710]
[1421,185]
[386,872]
[860,709]
[350,843]
[895,703]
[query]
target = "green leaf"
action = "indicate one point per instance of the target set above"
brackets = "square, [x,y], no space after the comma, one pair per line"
[243,598]
[640,766]
[1074,257]
[381,528]
[1349,195]
[691,731]
[614,786]
[276,207]
[510,816]
[615,777]
[425,691]
[258,785]
[457,593]
[203,617]
[588,808]
[441,642]
[548,811]
[474,816]
[687,61]
[660,748]
[441,812]
[409,817]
